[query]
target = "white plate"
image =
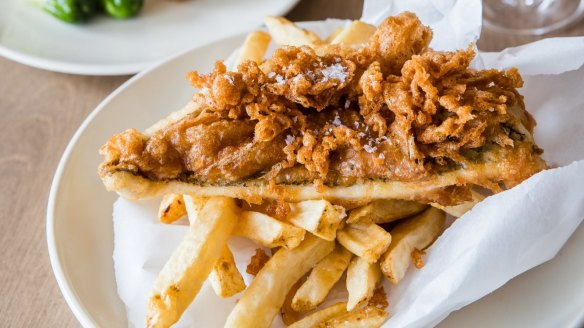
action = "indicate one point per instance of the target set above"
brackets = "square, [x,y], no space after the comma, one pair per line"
[106,46]
[80,236]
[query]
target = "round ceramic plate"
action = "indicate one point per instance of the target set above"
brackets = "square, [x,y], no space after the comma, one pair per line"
[80,232]
[106,46]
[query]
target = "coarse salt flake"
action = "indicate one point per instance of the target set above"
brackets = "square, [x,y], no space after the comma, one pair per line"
[229,78]
[280,79]
[336,71]
[370,149]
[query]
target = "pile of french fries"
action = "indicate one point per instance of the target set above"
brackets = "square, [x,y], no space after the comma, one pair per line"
[312,247]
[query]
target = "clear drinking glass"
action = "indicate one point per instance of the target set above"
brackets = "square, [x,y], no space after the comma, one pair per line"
[530,17]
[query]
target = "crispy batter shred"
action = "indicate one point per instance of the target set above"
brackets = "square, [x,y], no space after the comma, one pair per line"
[379,298]
[418,258]
[257,262]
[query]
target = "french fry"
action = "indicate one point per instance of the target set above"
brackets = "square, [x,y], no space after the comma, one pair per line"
[285,32]
[225,278]
[172,208]
[268,231]
[194,205]
[362,278]
[367,317]
[355,34]
[385,210]
[366,240]
[265,296]
[254,47]
[321,316]
[334,34]
[414,233]
[289,315]
[459,210]
[183,275]
[318,217]
[321,280]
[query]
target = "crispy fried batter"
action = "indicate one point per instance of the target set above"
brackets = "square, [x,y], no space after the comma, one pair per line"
[257,262]
[397,39]
[276,208]
[392,110]
[418,258]
[379,298]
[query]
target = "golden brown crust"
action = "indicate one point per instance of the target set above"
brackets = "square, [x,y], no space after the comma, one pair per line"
[379,298]
[257,262]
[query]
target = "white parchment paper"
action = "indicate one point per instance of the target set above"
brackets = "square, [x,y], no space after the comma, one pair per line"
[499,239]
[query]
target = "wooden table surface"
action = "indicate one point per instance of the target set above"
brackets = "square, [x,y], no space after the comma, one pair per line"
[39,112]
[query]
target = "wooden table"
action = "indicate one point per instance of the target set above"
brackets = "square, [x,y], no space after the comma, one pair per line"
[40,111]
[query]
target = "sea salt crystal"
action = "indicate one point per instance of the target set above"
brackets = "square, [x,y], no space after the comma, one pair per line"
[381,156]
[271,75]
[337,121]
[229,78]
[361,135]
[370,149]
[347,104]
[336,71]
[289,140]
[280,79]
[298,78]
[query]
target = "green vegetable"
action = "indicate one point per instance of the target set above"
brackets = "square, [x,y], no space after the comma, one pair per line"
[122,8]
[71,11]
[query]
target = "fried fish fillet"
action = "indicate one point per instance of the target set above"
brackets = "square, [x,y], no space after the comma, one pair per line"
[390,119]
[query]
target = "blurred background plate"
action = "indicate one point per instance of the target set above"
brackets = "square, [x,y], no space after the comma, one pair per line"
[106,46]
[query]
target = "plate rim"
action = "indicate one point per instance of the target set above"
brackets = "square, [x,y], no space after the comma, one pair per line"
[67,67]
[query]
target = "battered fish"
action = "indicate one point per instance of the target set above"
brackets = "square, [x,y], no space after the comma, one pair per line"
[391,119]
